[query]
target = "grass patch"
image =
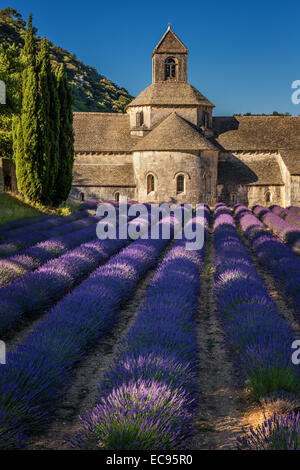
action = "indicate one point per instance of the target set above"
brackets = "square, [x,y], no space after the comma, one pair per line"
[204,426]
[14,207]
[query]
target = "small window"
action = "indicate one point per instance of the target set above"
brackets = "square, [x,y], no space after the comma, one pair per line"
[268,197]
[117,196]
[233,198]
[180,184]
[170,69]
[207,184]
[150,183]
[139,119]
[205,119]
[81,196]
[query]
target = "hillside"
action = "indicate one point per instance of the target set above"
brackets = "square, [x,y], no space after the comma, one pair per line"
[92,91]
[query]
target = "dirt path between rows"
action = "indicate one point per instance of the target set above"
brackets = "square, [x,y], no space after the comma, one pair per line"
[224,409]
[88,375]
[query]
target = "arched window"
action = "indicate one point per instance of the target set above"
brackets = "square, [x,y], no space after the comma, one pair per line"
[117,196]
[207,183]
[233,198]
[150,183]
[268,196]
[179,184]
[81,196]
[170,68]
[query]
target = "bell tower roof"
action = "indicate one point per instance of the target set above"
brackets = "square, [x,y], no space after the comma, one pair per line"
[169,59]
[170,44]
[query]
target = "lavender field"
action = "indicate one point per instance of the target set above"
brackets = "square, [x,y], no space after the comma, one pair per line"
[122,344]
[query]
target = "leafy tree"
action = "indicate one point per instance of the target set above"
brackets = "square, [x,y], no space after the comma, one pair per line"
[10,72]
[10,15]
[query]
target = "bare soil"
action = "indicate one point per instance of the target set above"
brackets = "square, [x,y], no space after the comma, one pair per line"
[224,409]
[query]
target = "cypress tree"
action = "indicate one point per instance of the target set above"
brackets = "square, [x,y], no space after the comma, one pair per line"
[27,145]
[54,135]
[44,73]
[36,149]
[29,47]
[66,138]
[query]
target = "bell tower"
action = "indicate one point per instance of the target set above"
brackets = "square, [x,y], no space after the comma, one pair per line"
[169,59]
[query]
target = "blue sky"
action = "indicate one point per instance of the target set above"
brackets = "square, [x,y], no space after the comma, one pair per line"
[243,56]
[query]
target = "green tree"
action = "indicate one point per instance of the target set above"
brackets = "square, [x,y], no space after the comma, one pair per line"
[44,125]
[10,72]
[10,15]
[26,129]
[66,138]
[36,132]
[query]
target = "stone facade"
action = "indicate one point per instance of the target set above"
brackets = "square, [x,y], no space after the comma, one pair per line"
[167,166]
[169,147]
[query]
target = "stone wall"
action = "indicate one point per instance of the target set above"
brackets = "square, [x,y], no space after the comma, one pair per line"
[295,190]
[153,115]
[101,193]
[231,194]
[158,113]
[167,166]
[286,195]
[250,195]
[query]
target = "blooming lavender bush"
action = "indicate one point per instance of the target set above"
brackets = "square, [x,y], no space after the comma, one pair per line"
[276,433]
[23,222]
[21,242]
[295,209]
[38,370]
[33,257]
[147,396]
[38,290]
[48,224]
[288,215]
[260,338]
[274,255]
[285,231]
[89,204]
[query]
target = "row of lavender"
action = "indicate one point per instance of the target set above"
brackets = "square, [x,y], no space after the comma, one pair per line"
[33,236]
[29,221]
[38,370]
[285,231]
[275,256]
[35,256]
[289,215]
[148,395]
[44,225]
[69,236]
[256,333]
[36,291]
[272,367]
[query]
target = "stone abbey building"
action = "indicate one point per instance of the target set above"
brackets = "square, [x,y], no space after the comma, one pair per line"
[169,147]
